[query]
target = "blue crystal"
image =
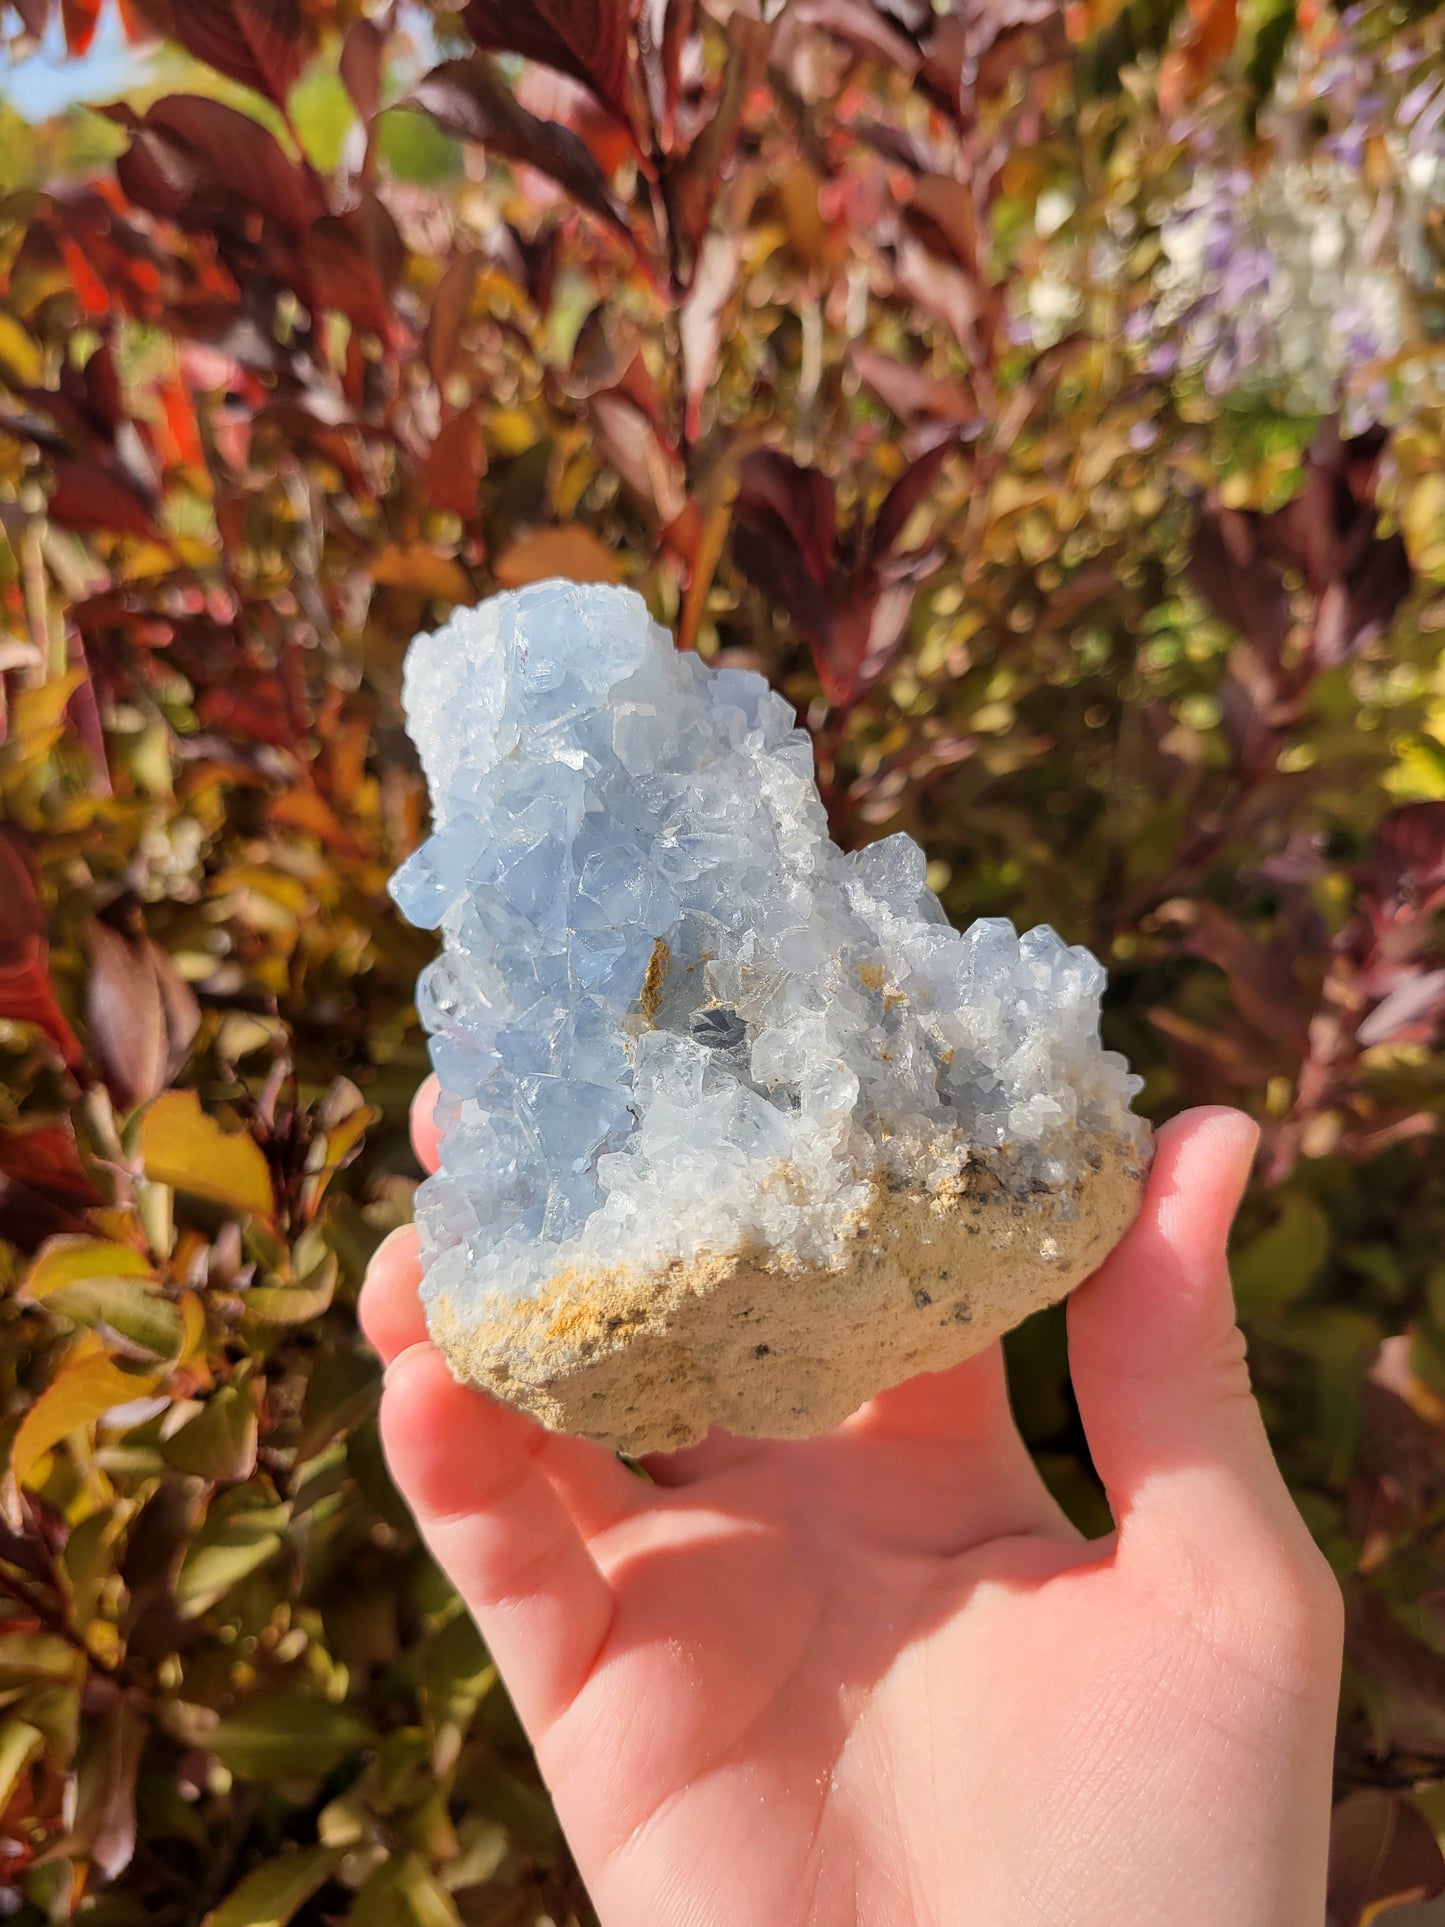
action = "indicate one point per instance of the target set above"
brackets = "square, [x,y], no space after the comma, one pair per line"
[670,1015]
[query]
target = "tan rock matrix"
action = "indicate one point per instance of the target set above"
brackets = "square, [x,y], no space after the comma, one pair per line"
[735,1128]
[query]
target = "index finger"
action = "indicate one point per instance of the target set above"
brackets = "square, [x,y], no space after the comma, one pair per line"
[424,1132]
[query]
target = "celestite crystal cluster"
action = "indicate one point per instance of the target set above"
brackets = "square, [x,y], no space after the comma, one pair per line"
[678,1031]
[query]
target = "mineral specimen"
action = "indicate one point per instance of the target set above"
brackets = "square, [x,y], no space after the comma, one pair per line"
[735,1127]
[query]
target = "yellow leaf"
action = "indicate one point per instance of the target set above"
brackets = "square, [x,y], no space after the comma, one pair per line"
[85,1389]
[574,553]
[193,1325]
[183,1147]
[37,716]
[18,353]
[418,567]
[71,1261]
[511,431]
[19,1744]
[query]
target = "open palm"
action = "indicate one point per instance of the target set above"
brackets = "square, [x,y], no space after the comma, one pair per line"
[877,1677]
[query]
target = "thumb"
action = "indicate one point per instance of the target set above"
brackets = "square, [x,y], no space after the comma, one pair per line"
[1158,1362]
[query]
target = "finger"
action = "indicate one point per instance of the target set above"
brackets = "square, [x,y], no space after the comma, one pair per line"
[424,1132]
[968,1402]
[1158,1362]
[957,1427]
[490,1492]
[719,1452]
[389,1309]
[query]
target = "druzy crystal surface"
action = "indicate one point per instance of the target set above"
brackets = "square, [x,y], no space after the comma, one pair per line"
[670,1016]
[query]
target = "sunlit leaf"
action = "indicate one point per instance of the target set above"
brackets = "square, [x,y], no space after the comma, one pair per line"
[257,42]
[422,569]
[84,1390]
[294,1304]
[180,1145]
[19,355]
[574,553]
[19,1744]
[136,1323]
[585,38]
[468,99]
[73,1260]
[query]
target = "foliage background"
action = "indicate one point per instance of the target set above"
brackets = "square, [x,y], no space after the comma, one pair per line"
[348,313]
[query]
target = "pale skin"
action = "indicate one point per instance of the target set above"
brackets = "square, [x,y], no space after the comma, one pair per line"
[877,1677]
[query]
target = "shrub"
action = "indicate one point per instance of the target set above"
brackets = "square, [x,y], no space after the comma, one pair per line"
[839,332]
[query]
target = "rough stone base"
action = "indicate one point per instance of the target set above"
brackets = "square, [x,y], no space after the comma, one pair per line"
[649,1362]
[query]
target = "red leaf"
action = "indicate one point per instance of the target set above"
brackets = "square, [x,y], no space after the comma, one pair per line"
[468,100]
[198,161]
[907,391]
[87,496]
[448,311]
[695,181]
[1264,988]
[348,263]
[907,493]
[126,1018]
[455,465]
[102,388]
[1382,1853]
[34,16]
[81,17]
[584,38]
[44,1188]
[773,561]
[1329,533]
[1406,862]
[250,708]
[257,42]
[649,467]
[792,503]
[143,20]
[864,640]
[362,53]
[26,993]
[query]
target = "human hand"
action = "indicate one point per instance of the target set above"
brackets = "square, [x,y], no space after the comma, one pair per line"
[877,1677]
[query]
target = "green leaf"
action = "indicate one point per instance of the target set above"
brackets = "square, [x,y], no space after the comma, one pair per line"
[457,1674]
[294,1304]
[322,115]
[1278,1265]
[147,1326]
[287,1738]
[36,1656]
[180,1145]
[219,1443]
[342,1390]
[415,149]
[402,1893]
[270,1894]
[237,1538]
